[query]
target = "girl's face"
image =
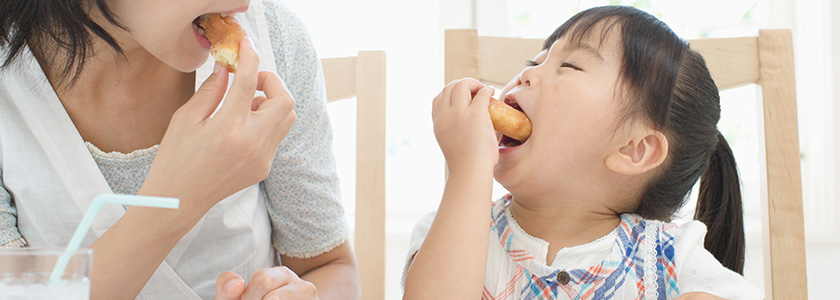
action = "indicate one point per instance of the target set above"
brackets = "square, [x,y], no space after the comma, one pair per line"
[569,93]
[165,28]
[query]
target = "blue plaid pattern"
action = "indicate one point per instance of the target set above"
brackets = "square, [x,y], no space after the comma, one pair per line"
[618,272]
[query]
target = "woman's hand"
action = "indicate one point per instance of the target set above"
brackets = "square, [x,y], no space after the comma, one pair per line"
[462,125]
[269,283]
[203,160]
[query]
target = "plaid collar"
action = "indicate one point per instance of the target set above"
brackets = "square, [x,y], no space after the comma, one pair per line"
[624,265]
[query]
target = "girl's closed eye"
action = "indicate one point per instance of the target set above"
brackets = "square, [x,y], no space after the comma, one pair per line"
[531,63]
[570,65]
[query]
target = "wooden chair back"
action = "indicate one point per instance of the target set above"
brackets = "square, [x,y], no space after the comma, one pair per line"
[766,60]
[363,77]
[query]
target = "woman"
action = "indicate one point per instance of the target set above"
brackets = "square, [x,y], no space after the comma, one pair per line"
[100,96]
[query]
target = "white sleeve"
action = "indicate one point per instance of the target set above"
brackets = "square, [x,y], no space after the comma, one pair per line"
[418,235]
[699,271]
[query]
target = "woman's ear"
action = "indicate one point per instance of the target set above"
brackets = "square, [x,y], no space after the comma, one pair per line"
[644,151]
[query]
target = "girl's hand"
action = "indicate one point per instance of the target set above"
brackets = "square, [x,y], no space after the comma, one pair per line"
[269,283]
[203,160]
[462,125]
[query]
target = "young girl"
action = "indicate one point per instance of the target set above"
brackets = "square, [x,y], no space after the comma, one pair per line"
[99,96]
[624,121]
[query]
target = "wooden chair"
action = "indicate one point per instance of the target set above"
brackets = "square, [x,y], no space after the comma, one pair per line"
[766,60]
[363,77]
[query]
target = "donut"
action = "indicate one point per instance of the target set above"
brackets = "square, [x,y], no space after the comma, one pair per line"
[509,121]
[224,33]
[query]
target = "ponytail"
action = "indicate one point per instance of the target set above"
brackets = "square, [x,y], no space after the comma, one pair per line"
[719,207]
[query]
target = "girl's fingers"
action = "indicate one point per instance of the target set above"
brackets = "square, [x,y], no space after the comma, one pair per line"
[482,97]
[463,91]
[446,94]
[435,105]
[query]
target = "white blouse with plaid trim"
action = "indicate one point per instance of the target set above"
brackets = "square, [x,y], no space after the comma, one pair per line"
[640,259]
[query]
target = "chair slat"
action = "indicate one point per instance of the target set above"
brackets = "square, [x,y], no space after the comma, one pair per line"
[363,77]
[733,62]
[783,228]
[502,58]
[341,77]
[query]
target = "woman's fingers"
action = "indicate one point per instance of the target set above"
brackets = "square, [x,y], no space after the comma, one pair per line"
[284,127]
[229,286]
[207,98]
[279,103]
[303,290]
[266,280]
[244,85]
[259,100]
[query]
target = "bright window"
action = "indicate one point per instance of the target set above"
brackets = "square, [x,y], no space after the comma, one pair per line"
[411,33]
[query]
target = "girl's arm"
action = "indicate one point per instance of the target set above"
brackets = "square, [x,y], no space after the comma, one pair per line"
[452,259]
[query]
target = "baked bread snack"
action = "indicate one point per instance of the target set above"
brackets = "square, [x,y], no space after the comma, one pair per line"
[224,34]
[509,121]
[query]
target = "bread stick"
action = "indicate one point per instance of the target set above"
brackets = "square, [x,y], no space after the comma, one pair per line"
[224,33]
[509,121]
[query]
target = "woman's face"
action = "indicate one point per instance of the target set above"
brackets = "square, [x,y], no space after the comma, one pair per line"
[569,93]
[165,28]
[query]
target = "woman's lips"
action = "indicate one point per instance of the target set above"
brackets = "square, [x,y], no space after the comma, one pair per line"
[199,35]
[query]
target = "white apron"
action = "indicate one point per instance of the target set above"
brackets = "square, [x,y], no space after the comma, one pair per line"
[52,178]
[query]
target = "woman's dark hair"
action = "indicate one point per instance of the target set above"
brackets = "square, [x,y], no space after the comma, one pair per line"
[669,85]
[50,27]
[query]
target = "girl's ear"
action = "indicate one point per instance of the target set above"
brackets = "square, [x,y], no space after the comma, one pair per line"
[645,151]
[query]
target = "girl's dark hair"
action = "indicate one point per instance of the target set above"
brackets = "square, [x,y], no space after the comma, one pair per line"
[669,85]
[50,27]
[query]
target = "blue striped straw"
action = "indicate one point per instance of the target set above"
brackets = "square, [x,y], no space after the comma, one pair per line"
[93,209]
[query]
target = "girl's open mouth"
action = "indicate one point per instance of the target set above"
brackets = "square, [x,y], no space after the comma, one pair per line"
[506,141]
